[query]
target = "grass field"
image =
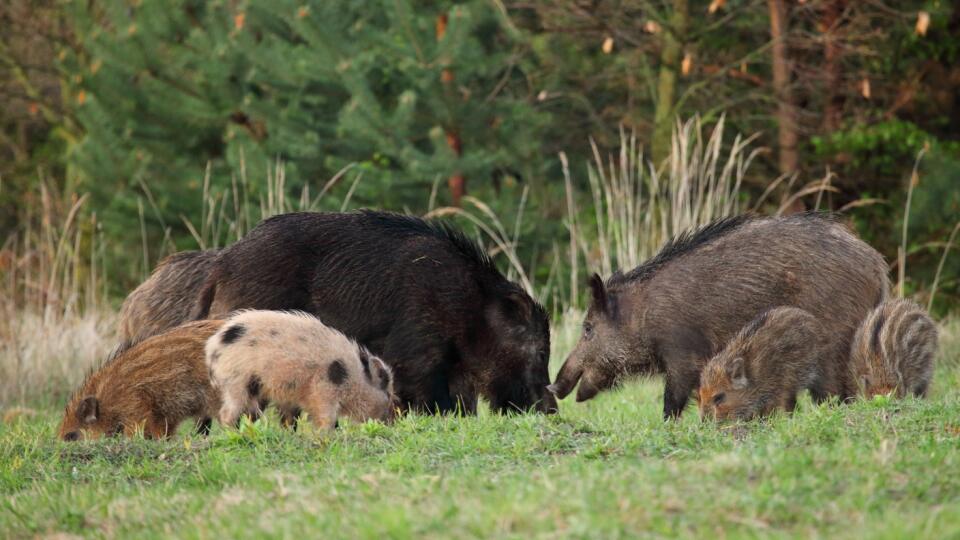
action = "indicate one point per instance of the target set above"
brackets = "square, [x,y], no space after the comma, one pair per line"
[608,468]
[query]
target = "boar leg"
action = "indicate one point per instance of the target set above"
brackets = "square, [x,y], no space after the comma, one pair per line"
[203,426]
[679,385]
[321,406]
[675,400]
[426,387]
[464,395]
[683,355]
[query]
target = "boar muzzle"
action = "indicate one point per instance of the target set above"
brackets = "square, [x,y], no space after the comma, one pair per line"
[567,379]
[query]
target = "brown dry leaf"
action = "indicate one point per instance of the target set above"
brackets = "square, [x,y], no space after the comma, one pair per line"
[239,19]
[865,88]
[716,5]
[923,22]
[687,65]
[607,45]
[651,27]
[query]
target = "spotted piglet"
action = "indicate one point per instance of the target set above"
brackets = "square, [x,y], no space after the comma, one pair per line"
[299,364]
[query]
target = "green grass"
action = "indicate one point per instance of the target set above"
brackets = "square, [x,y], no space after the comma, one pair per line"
[604,469]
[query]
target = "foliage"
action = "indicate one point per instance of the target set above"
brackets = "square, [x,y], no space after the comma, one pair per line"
[160,108]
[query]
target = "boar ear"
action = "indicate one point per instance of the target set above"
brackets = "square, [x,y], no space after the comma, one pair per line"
[88,410]
[516,306]
[737,373]
[599,292]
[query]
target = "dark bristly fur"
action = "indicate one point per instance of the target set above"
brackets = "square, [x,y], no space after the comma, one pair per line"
[894,350]
[675,311]
[154,385]
[684,242]
[764,366]
[418,294]
[166,299]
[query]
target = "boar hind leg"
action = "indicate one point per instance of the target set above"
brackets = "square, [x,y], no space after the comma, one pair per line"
[232,408]
[203,426]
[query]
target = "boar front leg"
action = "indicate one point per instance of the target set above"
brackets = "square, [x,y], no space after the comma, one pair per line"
[676,393]
[682,358]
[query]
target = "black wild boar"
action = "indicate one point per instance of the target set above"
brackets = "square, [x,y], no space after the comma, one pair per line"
[167,298]
[894,350]
[763,367]
[679,308]
[418,294]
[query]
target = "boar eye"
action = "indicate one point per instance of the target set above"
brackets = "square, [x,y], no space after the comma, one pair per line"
[719,398]
[587,330]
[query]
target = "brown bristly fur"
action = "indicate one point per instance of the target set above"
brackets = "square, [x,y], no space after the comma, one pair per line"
[166,298]
[296,362]
[894,349]
[152,386]
[764,366]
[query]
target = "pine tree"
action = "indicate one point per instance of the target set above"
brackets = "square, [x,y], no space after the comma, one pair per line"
[413,92]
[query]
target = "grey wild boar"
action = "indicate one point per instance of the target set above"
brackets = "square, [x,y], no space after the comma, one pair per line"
[673,312]
[166,298]
[763,367]
[894,349]
[299,364]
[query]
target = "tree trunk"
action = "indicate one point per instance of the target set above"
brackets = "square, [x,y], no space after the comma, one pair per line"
[787,131]
[833,106]
[670,55]
[456,183]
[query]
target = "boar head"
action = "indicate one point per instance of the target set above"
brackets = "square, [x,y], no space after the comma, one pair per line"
[606,352]
[724,392]
[521,347]
[85,418]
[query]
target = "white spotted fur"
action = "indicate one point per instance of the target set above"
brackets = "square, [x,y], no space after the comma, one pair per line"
[291,355]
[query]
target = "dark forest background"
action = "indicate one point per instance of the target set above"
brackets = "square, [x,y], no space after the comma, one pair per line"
[149,107]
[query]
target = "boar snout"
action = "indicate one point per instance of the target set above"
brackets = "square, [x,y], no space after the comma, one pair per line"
[548,404]
[567,379]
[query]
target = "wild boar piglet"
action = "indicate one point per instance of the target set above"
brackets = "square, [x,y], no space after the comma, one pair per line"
[299,364]
[894,350]
[763,367]
[152,386]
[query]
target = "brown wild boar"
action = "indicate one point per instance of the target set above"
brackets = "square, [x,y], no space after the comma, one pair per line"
[894,349]
[153,386]
[763,367]
[296,362]
[165,300]
[672,313]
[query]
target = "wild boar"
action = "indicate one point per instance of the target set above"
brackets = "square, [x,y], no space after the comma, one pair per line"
[764,367]
[672,313]
[153,386]
[297,363]
[418,294]
[167,298]
[894,350]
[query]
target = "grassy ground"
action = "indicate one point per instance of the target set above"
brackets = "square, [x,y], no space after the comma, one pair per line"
[605,469]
